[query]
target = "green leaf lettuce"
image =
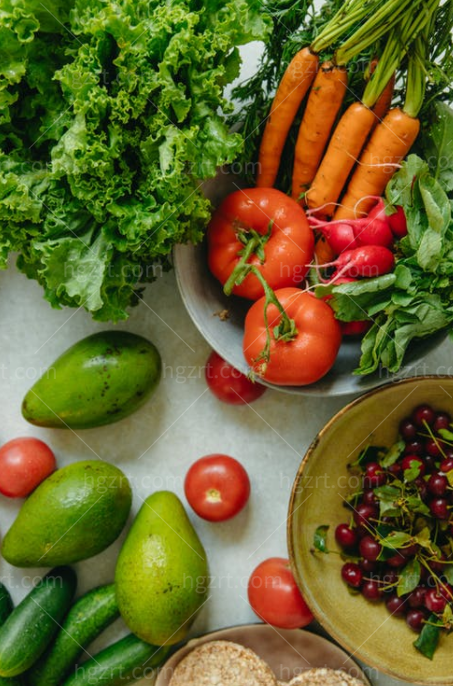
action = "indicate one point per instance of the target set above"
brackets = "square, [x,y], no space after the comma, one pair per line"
[107,129]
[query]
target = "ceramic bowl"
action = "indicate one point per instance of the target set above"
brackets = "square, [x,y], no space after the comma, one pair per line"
[364,629]
[288,653]
[204,300]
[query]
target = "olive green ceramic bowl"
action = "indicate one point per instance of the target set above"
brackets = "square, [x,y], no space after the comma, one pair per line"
[366,630]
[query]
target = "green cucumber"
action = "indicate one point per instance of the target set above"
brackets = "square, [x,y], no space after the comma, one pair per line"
[6,607]
[122,663]
[31,626]
[87,618]
[6,604]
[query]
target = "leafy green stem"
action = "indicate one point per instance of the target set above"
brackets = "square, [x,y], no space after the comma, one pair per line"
[380,23]
[286,330]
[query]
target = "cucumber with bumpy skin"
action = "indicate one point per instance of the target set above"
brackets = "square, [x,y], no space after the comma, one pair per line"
[87,618]
[122,663]
[31,626]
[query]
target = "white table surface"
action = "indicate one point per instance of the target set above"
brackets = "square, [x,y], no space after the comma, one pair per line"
[156,446]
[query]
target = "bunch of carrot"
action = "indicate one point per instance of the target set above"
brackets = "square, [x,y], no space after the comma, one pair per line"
[342,163]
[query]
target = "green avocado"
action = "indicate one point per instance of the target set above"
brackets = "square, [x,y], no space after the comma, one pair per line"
[162,572]
[98,381]
[74,514]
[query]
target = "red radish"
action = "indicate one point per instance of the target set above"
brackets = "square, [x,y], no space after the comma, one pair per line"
[355,328]
[378,210]
[375,228]
[373,231]
[368,262]
[398,223]
[339,235]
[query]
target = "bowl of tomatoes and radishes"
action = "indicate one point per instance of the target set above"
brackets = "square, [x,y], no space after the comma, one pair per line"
[370,528]
[260,251]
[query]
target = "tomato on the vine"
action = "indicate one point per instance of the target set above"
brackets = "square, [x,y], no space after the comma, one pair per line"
[275,596]
[298,343]
[217,487]
[228,384]
[24,463]
[264,229]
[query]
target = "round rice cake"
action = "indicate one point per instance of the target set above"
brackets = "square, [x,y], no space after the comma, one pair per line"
[222,663]
[323,676]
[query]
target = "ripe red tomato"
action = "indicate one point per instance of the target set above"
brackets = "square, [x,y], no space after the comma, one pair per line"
[24,463]
[228,384]
[269,224]
[275,597]
[217,487]
[309,355]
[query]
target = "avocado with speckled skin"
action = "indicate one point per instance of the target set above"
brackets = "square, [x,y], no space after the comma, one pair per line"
[99,380]
[162,572]
[76,513]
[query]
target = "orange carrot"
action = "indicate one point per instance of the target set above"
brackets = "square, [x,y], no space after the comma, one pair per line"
[384,101]
[371,68]
[391,141]
[293,87]
[344,149]
[323,105]
[323,251]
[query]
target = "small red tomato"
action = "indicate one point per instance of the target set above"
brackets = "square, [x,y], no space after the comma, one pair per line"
[24,463]
[275,596]
[217,487]
[228,384]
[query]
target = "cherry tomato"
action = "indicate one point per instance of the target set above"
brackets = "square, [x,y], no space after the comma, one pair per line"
[275,597]
[305,358]
[228,384]
[24,463]
[217,487]
[273,227]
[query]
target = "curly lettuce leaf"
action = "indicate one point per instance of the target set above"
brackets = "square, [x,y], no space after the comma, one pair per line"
[107,130]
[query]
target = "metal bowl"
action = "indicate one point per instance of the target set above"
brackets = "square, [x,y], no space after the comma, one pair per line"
[207,305]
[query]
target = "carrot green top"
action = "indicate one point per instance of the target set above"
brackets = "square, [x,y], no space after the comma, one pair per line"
[401,42]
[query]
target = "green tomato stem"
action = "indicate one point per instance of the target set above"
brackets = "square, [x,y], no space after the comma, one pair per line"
[285,331]
[242,268]
[254,243]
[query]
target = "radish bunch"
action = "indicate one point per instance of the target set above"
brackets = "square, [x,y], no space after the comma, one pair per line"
[364,249]
[377,228]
